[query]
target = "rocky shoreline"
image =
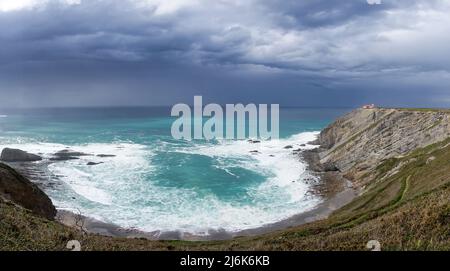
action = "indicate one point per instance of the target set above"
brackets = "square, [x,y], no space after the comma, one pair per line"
[339,161]
[335,191]
[382,165]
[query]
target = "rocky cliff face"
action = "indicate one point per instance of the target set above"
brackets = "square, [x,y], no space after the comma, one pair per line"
[359,141]
[20,191]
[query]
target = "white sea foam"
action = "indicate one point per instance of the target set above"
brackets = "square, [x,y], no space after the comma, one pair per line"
[272,158]
[91,182]
[286,174]
[123,190]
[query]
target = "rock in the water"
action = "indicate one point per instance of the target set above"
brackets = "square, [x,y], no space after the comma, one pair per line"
[106,155]
[94,163]
[16,155]
[288,147]
[65,158]
[67,155]
[70,153]
[16,188]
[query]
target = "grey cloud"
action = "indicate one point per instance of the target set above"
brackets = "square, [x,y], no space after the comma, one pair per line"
[305,47]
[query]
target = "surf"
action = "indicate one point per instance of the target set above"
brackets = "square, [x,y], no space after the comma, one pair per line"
[137,176]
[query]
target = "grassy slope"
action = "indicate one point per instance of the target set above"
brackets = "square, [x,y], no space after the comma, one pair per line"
[407,207]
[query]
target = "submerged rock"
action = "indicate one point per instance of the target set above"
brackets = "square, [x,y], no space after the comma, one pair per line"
[94,163]
[16,155]
[67,155]
[16,188]
[63,158]
[70,153]
[106,155]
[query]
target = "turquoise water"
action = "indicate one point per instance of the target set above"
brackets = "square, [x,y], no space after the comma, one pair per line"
[156,183]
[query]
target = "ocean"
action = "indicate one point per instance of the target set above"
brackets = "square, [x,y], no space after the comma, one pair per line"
[156,183]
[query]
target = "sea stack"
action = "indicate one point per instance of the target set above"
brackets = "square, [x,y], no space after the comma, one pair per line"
[16,155]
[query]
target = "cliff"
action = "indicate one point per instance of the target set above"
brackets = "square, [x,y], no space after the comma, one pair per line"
[18,190]
[358,142]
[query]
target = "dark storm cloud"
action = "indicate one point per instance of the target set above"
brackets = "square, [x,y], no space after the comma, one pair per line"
[87,52]
[310,13]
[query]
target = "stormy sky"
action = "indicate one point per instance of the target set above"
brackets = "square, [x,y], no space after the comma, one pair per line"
[160,52]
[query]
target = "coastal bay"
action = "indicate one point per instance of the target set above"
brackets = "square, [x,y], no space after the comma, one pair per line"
[404,197]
